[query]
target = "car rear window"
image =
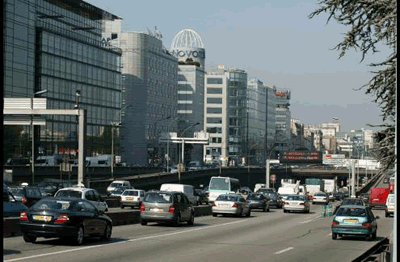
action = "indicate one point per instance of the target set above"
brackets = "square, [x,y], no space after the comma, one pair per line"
[158,198]
[226,198]
[130,193]
[255,197]
[351,212]
[320,194]
[296,198]
[69,193]
[116,184]
[52,204]
[352,202]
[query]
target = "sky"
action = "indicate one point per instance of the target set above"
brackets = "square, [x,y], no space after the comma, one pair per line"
[274,41]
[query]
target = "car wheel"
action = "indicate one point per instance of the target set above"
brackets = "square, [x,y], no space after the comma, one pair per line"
[369,237]
[177,222]
[264,209]
[248,214]
[79,237]
[313,203]
[143,222]
[107,233]
[214,215]
[206,202]
[268,209]
[132,207]
[284,211]
[191,220]
[122,206]
[334,236]
[374,235]
[29,239]
[386,214]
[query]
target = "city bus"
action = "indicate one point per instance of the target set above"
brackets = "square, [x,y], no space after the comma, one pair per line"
[222,185]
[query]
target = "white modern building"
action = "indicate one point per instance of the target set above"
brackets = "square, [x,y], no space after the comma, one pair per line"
[188,48]
[283,116]
[149,96]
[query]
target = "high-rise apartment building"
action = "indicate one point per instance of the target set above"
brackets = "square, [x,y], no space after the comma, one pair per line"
[150,77]
[283,117]
[55,48]
[188,47]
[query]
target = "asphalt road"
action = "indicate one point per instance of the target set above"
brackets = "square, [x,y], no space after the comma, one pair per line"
[269,236]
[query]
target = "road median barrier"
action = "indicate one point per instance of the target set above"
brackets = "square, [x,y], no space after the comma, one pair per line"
[11,225]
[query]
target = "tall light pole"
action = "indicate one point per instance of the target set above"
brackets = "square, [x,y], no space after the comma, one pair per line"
[172,121]
[183,149]
[115,124]
[33,135]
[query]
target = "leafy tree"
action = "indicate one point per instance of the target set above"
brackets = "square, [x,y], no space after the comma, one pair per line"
[372,23]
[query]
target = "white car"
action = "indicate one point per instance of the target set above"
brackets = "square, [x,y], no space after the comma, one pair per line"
[320,197]
[118,183]
[296,203]
[389,208]
[132,198]
[85,193]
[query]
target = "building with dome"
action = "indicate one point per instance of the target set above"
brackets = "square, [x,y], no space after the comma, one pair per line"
[188,47]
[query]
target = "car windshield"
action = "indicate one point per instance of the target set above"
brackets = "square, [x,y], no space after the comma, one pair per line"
[265,190]
[219,184]
[352,202]
[69,193]
[271,195]
[18,192]
[351,212]
[158,198]
[226,198]
[130,193]
[52,204]
[255,197]
[320,194]
[296,198]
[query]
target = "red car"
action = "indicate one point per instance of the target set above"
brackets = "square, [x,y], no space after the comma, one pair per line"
[378,196]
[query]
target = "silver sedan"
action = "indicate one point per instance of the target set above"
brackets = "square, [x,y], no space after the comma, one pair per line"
[296,203]
[233,204]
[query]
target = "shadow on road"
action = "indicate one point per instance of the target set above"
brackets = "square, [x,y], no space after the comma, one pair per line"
[92,241]
[10,252]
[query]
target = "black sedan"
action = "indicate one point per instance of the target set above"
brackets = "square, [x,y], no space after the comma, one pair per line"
[258,201]
[63,217]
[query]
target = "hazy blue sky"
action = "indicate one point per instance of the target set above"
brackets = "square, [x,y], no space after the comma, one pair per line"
[275,42]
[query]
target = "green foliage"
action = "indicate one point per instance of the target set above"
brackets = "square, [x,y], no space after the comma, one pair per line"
[372,22]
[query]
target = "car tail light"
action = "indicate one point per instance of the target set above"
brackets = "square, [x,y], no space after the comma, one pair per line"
[367,224]
[335,223]
[213,204]
[171,209]
[23,216]
[24,200]
[302,204]
[234,205]
[62,218]
[286,203]
[142,208]
[264,200]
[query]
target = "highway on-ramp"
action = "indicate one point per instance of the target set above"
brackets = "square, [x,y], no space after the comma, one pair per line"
[265,236]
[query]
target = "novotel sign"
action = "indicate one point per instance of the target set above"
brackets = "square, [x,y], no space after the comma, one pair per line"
[189,53]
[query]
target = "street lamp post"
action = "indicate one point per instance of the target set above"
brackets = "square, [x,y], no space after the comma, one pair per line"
[33,135]
[115,124]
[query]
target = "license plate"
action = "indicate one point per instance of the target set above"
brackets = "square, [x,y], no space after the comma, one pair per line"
[156,210]
[42,218]
[293,204]
[129,198]
[225,205]
[376,199]
[351,220]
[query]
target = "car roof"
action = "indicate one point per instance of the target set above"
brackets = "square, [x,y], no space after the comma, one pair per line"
[80,189]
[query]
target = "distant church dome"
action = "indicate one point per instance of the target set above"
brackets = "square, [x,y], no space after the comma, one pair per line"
[187,38]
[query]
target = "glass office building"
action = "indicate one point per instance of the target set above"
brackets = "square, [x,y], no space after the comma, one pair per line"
[57,46]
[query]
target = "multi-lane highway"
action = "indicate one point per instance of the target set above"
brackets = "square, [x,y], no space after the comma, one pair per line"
[269,236]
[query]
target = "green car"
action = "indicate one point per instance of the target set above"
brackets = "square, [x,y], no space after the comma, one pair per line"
[354,220]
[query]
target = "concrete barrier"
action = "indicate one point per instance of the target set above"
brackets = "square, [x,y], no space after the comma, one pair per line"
[11,224]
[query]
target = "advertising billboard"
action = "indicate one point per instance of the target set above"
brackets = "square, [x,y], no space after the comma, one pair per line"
[301,157]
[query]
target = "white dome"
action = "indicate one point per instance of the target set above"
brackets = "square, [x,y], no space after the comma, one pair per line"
[187,38]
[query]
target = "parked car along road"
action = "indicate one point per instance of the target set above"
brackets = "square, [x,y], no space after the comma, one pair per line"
[258,201]
[390,205]
[132,198]
[88,194]
[296,203]
[27,195]
[166,206]
[62,217]
[354,221]
[233,204]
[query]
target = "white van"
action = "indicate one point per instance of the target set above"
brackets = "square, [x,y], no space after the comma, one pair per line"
[118,183]
[188,190]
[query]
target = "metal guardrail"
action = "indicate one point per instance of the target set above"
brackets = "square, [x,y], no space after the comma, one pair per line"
[379,252]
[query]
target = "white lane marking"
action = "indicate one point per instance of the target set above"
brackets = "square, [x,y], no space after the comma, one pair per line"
[123,242]
[287,249]
[305,221]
